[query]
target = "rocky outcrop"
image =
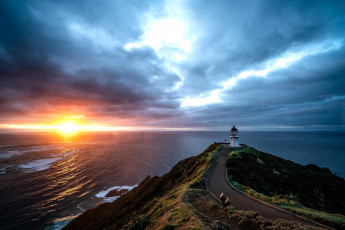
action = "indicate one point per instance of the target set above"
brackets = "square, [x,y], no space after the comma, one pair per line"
[116,192]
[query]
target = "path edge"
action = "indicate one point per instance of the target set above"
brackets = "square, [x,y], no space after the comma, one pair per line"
[272,206]
[213,167]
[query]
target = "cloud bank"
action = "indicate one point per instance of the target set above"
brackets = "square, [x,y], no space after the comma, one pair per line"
[176,64]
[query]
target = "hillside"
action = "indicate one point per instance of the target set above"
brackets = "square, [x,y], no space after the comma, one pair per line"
[301,189]
[156,198]
[177,200]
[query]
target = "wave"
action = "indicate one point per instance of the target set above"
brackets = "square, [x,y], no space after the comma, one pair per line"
[3,171]
[39,165]
[102,194]
[60,222]
[42,164]
[2,146]
[78,206]
[7,154]
[43,148]
[10,153]
[68,153]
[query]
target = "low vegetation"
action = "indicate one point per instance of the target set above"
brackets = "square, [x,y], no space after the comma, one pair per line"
[253,221]
[309,191]
[158,202]
[177,200]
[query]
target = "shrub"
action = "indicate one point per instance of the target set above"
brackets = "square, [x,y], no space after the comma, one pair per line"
[168,227]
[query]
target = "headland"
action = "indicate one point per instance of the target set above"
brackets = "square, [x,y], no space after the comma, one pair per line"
[187,196]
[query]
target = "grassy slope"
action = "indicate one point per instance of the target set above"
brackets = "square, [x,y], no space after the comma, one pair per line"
[176,208]
[158,200]
[177,200]
[306,190]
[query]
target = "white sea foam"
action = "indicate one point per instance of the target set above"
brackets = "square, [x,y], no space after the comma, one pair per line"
[42,164]
[39,165]
[1,146]
[60,223]
[103,193]
[9,154]
[78,206]
[3,171]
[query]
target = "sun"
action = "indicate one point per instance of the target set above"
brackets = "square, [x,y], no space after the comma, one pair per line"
[68,128]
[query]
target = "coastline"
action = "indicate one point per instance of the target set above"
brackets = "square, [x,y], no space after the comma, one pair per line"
[159,201]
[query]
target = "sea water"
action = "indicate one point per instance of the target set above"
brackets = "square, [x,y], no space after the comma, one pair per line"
[45,181]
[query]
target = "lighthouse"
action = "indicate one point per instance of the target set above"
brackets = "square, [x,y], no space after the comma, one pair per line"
[234,138]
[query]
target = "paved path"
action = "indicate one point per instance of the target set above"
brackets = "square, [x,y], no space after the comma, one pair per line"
[218,183]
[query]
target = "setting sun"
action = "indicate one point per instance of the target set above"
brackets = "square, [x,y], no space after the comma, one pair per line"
[68,128]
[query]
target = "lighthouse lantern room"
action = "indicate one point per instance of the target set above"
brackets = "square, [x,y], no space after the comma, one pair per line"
[234,138]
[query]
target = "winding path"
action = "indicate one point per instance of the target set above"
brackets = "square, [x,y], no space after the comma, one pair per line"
[218,183]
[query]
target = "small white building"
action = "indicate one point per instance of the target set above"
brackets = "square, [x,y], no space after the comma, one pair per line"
[234,138]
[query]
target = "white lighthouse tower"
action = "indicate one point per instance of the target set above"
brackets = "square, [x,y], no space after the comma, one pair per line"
[234,138]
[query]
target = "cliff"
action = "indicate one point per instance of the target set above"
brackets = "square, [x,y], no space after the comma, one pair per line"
[151,198]
[177,200]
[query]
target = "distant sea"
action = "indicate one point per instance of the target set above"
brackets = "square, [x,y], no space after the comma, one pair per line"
[45,181]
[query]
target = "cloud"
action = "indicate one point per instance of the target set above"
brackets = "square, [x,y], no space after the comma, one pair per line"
[284,61]
[77,66]
[306,94]
[178,64]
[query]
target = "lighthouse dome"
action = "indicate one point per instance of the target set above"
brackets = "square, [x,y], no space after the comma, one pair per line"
[233,128]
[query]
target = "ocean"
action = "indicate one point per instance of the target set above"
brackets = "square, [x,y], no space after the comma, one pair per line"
[47,180]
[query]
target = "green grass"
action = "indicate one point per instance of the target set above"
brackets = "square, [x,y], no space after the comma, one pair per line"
[214,154]
[293,205]
[237,151]
[168,227]
[253,220]
[140,223]
[173,211]
[186,207]
[316,215]
[289,202]
[177,200]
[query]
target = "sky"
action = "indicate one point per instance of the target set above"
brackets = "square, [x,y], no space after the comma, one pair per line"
[173,65]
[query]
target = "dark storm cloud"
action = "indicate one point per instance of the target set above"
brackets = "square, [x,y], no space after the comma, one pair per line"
[44,66]
[240,35]
[245,35]
[307,94]
[71,56]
